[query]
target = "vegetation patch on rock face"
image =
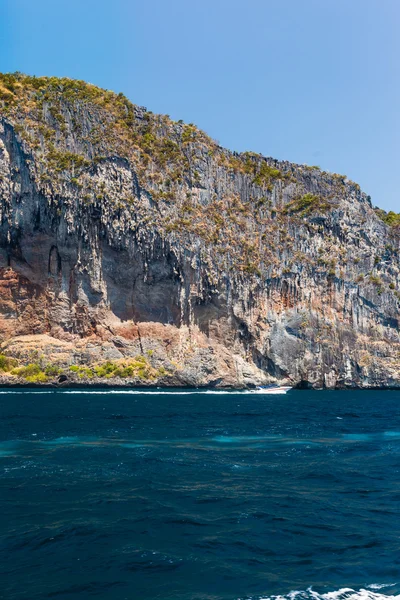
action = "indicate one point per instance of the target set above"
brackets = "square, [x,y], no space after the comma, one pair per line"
[7,363]
[66,161]
[261,172]
[390,218]
[37,372]
[139,368]
[32,373]
[307,205]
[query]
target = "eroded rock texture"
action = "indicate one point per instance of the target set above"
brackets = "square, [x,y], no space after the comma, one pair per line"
[125,233]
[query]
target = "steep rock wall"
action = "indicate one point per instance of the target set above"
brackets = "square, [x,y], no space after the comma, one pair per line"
[123,232]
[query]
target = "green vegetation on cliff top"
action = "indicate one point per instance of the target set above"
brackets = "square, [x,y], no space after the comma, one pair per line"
[123,131]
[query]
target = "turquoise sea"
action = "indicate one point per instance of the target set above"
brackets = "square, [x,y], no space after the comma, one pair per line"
[189,495]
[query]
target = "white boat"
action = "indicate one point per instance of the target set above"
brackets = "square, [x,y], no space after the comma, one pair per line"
[283,389]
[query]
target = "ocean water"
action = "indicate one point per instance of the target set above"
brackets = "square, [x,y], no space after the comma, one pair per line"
[199,496]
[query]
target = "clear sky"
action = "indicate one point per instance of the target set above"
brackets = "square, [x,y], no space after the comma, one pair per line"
[310,81]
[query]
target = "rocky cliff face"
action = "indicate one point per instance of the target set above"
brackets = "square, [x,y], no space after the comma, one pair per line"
[134,249]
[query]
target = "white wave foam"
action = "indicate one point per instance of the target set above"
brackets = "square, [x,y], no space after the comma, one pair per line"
[380,586]
[130,392]
[25,391]
[341,594]
[157,392]
[102,392]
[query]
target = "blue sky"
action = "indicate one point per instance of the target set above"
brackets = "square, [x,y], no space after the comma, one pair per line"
[311,81]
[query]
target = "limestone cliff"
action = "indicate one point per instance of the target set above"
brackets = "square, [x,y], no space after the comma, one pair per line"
[134,249]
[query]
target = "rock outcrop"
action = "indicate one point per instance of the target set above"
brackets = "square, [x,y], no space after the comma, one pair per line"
[134,249]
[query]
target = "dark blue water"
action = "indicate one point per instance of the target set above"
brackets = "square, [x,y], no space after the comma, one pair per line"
[199,495]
